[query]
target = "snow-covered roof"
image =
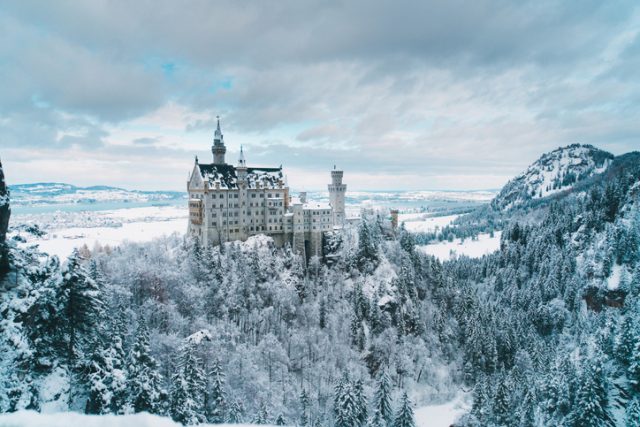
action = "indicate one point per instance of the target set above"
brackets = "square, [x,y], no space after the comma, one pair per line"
[316,205]
[227,177]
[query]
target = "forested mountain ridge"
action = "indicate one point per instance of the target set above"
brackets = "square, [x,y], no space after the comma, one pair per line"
[553,172]
[546,331]
[553,316]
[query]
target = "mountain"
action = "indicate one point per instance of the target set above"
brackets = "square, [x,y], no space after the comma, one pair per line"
[59,193]
[556,171]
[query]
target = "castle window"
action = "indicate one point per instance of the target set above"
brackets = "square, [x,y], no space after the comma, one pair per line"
[253,195]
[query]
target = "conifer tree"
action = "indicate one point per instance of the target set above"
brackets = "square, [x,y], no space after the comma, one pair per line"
[80,308]
[304,409]
[591,408]
[632,414]
[234,413]
[382,400]
[188,389]
[345,406]
[362,411]
[144,382]
[262,416]
[404,415]
[216,398]
[501,403]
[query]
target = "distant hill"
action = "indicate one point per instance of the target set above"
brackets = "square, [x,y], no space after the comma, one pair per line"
[553,172]
[59,193]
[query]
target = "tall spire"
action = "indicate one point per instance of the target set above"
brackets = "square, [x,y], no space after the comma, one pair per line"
[217,135]
[218,149]
[242,163]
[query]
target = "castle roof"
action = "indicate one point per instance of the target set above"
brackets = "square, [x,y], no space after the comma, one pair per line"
[226,175]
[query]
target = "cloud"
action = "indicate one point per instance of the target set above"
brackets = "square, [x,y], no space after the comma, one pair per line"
[426,90]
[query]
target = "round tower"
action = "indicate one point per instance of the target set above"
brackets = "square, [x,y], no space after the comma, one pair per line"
[337,191]
[218,149]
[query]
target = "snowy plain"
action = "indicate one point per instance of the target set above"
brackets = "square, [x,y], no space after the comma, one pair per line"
[110,227]
[421,223]
[473,248]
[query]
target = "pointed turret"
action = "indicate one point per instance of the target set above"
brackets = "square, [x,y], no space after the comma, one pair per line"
[218,149]
[242,163]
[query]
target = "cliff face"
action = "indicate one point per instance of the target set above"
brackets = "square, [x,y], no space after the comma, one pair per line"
[4,207]
[5,212]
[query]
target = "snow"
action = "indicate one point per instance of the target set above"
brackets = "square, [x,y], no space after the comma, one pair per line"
[613,281]
[421,223]
[69,230]
[67,419]
[443,415]
[54,391]
[198,337]
[444,251]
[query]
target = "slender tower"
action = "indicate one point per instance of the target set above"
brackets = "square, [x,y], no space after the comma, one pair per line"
[218,149]
[337,191]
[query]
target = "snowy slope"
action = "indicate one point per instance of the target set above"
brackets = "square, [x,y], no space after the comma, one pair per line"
[556,171]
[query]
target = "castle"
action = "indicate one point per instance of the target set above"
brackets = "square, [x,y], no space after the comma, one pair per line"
[229,203]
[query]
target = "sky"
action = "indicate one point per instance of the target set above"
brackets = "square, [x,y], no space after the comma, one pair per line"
[401,95]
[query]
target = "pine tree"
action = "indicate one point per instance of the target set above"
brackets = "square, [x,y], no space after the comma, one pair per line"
[592,406]
[404,415]
[234,413]
[188,389]
[304,410]
[633,372]
[216,398]
[144,383]
[632,414]
[323,313]
[262,417]
[80,309]
[280,420]
[501,403]
[382,400]
[106,377]
[362,411]
[345,406]
[367,255]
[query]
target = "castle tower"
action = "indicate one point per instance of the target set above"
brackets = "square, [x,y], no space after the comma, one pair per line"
[218,149]
[337,191]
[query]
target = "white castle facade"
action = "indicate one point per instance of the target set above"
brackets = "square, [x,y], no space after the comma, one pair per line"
[229,203]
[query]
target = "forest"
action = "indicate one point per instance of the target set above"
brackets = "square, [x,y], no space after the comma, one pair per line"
[545,331]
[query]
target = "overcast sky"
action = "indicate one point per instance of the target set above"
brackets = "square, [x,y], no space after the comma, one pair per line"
[400,94]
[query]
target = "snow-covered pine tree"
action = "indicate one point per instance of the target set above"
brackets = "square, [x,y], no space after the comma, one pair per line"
[304,408]
[235,412]
[362,410]
[216,396]
[367,255]
[144,385]
[262,416]
[382,400]
[188,389]
[632,414]
[80,309]
[280,420]
[345,406]
[502,413]
[404,415]
[591,408]
[106,380]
